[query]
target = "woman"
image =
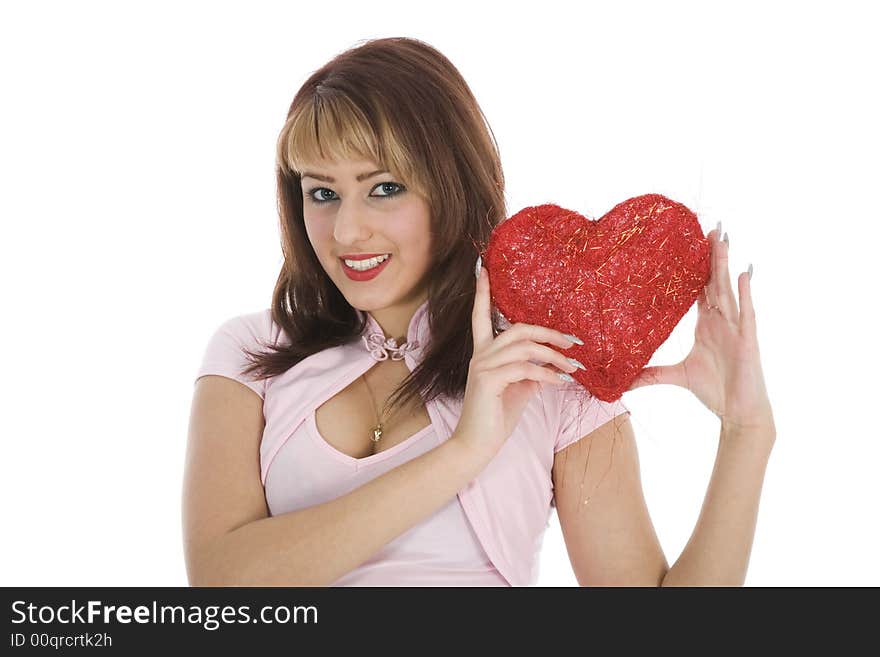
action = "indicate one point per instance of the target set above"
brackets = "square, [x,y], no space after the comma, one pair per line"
[374,427]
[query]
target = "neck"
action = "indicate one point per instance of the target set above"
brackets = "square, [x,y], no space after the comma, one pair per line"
[395,320]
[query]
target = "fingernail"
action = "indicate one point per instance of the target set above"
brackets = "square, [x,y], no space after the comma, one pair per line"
[576,363]
[750,271]
[565,377]
[726,239]
[573,339]
[479,264]
[718,227]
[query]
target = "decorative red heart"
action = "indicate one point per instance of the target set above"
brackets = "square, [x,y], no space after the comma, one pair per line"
[621,283]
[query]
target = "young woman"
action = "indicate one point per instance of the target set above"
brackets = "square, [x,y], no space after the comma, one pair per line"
[376,427]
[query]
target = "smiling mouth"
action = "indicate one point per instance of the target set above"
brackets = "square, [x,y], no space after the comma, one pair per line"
[368,274]
[365,265]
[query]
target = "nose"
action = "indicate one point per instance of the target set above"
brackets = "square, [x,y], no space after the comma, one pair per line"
[351,225]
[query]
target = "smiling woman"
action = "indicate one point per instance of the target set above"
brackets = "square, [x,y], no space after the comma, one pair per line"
[389,186]
[385,238]
[411,169]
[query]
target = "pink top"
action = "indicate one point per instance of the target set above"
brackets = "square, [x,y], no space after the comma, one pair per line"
[490,534]
[442,550]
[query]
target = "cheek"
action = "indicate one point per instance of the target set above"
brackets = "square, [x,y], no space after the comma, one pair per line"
[416,250]
[414,235]
[317,233]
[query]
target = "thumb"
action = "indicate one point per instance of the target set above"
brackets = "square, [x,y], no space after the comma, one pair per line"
[660,374]
[481,316]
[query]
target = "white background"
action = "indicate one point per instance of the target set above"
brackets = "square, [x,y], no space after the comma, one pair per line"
[138,211]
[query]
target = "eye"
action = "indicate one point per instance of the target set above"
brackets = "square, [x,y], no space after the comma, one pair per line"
[399,187]
[316,201]
[384,185]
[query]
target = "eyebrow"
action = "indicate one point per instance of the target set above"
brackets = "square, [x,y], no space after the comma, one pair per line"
[363,176]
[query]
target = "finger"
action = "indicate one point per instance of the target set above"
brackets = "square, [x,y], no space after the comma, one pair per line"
[519,371]
[721,290]
[660,374]
[704,302]
[711,292]
[708,305]
[534,333]
[746,307]
[481,318]
[709,287]
[643,378]
[529,351]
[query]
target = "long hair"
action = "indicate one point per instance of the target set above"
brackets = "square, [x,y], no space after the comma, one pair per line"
[402,104]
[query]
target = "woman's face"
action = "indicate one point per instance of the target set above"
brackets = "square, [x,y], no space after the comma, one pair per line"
[348,217]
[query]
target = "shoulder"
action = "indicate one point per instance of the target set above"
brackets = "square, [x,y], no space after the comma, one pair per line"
[573,412]
[226,351]
[251,328]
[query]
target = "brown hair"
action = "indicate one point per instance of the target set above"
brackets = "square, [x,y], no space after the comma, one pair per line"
[403,105]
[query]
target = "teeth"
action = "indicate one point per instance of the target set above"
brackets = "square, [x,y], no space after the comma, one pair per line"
[363,265]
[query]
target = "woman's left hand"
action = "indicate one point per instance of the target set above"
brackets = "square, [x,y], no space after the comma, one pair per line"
[723,369]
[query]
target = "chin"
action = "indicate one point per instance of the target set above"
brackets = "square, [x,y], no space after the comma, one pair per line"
[367,302]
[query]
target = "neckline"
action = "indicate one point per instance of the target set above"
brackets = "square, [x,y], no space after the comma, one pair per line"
[416,331]
[365,460]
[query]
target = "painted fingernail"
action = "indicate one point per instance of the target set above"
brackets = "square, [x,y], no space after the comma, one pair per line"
[573,339]
[479,264]
[718,227]
[576,363]
[726,239]
[565,377]
[750,271]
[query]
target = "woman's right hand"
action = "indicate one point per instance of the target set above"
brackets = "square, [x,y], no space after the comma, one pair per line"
[501,380]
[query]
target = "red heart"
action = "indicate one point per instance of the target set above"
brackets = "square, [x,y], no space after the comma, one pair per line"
[621,283]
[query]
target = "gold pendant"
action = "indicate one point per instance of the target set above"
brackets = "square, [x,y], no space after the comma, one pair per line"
[377,433]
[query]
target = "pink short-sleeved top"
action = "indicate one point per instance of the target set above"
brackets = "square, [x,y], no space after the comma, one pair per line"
[441,550]
[488,535]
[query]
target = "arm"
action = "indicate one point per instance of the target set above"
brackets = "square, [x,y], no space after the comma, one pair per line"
[229,538]
[717,553]
[724,372]
[607,529]
[602,511]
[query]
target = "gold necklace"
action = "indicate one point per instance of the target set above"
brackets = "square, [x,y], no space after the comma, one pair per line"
[379,347]
[377,430]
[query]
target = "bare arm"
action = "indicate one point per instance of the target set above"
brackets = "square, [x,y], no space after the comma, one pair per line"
[601,507]
[608,532]
[718,551]
[229,538]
